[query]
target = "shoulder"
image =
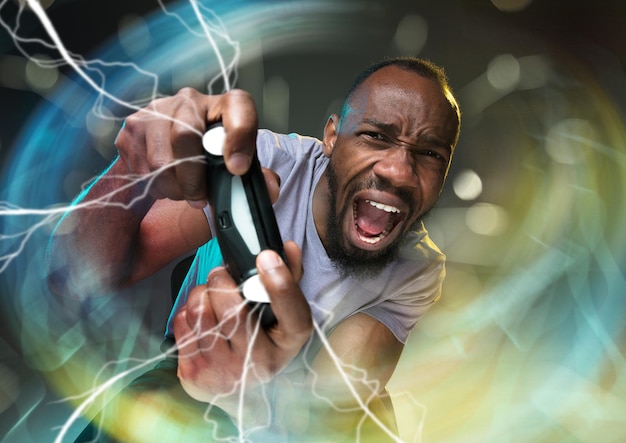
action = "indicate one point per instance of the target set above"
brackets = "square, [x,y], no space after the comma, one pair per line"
[418,273]
[291,144]
[417,246]
[290,155]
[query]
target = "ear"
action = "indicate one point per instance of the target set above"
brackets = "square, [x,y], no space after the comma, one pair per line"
[330,134]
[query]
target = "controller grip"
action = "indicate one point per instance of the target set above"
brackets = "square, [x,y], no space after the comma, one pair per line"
[243,220]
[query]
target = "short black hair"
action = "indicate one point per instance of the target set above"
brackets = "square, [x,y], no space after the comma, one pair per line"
[422,67]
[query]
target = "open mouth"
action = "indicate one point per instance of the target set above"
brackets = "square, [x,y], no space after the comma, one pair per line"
[375,220]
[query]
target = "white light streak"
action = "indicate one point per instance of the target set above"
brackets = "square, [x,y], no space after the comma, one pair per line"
[86,70]
[226,70]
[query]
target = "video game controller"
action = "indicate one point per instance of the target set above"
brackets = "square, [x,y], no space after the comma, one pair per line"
[243,220]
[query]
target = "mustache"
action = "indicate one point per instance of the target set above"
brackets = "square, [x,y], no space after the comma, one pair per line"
[377,184]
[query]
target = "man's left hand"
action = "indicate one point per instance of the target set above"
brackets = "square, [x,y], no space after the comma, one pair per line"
[219,342]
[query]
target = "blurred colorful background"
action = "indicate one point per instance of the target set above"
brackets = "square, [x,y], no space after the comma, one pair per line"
[528,341]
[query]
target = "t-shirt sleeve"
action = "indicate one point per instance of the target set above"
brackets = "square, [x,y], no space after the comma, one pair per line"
[283,152]
[274,153]
[401,312]
[207,257]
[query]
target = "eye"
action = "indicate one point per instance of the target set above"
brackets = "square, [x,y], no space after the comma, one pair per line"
[375,139]
[373,135]
[433,154]
[432,157]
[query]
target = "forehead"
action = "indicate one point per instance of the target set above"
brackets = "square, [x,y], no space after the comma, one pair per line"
[392,93]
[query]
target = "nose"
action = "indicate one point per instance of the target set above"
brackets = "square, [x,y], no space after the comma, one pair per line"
[397,167]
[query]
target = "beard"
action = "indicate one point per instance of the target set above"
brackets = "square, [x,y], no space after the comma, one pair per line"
[353,261]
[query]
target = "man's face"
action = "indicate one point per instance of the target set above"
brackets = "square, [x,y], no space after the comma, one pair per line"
[389,157]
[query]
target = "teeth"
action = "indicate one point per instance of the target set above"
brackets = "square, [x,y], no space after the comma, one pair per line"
[384,207]
[374,240]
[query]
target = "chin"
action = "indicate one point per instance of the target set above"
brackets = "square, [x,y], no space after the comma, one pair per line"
[353,261]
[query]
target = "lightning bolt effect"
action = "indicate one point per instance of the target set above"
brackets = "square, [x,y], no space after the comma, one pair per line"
[85,70]
[527,343]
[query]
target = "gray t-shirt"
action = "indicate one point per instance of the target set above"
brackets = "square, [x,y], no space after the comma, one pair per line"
[397,297]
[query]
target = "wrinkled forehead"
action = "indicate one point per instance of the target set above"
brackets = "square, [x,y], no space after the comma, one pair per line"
[394,83]
[394,93]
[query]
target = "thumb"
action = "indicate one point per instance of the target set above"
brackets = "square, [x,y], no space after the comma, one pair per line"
[289,305]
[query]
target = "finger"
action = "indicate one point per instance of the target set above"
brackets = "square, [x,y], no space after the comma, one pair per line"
[272,180]
[294,259]
[135,151]
[238,114]
[159,158]
[292,311]
[131,144]
[144,142]
[186,139]
[203,321]
[190,362]
[185,335]
[228,305]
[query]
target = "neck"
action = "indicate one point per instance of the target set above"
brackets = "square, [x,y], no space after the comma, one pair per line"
[321,199]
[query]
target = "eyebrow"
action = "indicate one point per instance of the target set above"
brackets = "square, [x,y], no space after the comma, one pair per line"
[389,127]
[393,129]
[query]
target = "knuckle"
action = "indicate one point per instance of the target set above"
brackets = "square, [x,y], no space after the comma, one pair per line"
[135,162]
[243,101]
[187,92]
[158,161]
[219,276]
[180,320]
[280,281]
[282,287]
[182,133]
[132,124]
[121,140]
[239,94]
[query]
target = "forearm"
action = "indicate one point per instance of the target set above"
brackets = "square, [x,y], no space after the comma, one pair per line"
[338,401]
[293,410]
[346,382]
[94,245]
[308,415]
[369,420]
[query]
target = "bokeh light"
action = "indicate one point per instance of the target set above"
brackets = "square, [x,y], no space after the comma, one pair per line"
[486,219]
[467,185]
[503,72]
[411,35]
[40,77]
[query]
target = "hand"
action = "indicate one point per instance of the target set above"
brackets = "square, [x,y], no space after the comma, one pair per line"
[216,341]
[170,129]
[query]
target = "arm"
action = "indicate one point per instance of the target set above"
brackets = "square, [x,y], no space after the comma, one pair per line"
[116,235]
[346,401]
[105,242]
[216,345]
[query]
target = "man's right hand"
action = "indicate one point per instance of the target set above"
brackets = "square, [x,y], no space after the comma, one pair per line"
[169,131]
[133,235]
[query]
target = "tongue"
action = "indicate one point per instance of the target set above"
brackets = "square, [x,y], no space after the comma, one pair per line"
[371,221]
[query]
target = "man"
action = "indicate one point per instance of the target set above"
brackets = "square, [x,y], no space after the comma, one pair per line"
[350,207]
